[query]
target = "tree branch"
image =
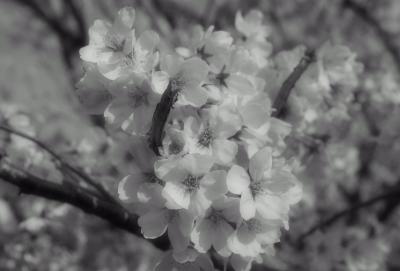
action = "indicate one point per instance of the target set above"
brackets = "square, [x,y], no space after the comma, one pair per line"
[387,195]
[111,212]
[81,174]
[290,82]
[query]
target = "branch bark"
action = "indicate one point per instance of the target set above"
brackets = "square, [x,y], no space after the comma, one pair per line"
[111,212]
[287,86]
[58,158]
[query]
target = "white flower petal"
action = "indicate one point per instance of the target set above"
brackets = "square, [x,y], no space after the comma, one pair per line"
[194,71]
[271,207]
[220,238]
[125,18]
[202,235]
[224,150]
[247,205]
[178,240]
[261,163]
[195,96]
[214,184]
[129,186]
[240,85]
[153,224]
[171,64]
[176,195]
[148,40]
[160,81]
[197,164]
[98,31]
[237,180]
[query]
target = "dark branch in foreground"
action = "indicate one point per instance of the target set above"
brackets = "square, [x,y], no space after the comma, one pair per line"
[388,195]
[32,185]
[290,82]
[58,158]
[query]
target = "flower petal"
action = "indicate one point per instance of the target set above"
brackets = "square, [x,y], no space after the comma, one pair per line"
[261,163]
[237,180]
[195,96]
[176,195]
[171,64]
[224,150]
[148,40]
[271,207]
[214,184]
[202,235]
[179,241]
[240,85]
[129,186]
[220,238]
[197,164]
[160,81]
[247,205]
[153,224]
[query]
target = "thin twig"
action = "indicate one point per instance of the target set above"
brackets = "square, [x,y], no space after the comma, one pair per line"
[59,159]
[290,82]
[392,193]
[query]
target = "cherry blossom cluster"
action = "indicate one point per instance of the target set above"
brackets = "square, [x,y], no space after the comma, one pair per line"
[210,163]
[321,97]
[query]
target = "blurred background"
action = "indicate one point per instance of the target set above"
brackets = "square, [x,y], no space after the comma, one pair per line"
[40,66]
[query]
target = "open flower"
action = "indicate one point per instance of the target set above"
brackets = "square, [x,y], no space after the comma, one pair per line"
[190,184]
[236,74]
[255,32]
[142,185]
[262,189]
[211,46]
[178,223]
[92,91]
[182,76]
[133,105]
[255,111]
[209,134]
[215,227]
[115,48]
[253,236]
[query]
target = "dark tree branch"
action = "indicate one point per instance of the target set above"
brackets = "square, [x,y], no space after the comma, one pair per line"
[80,22]
[385,36]
[111,212]
[390,194]
[97,186]
[287,86]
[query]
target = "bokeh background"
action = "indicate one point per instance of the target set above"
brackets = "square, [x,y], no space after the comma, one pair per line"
[40,66]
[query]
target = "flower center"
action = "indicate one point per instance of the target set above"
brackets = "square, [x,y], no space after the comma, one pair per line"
[152,178]
[205,137]
[115,43]
[221,77]
[256,188]
[215,216]
[192,183]
[175,147]
[201,52]
[177,83]
[254,225]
